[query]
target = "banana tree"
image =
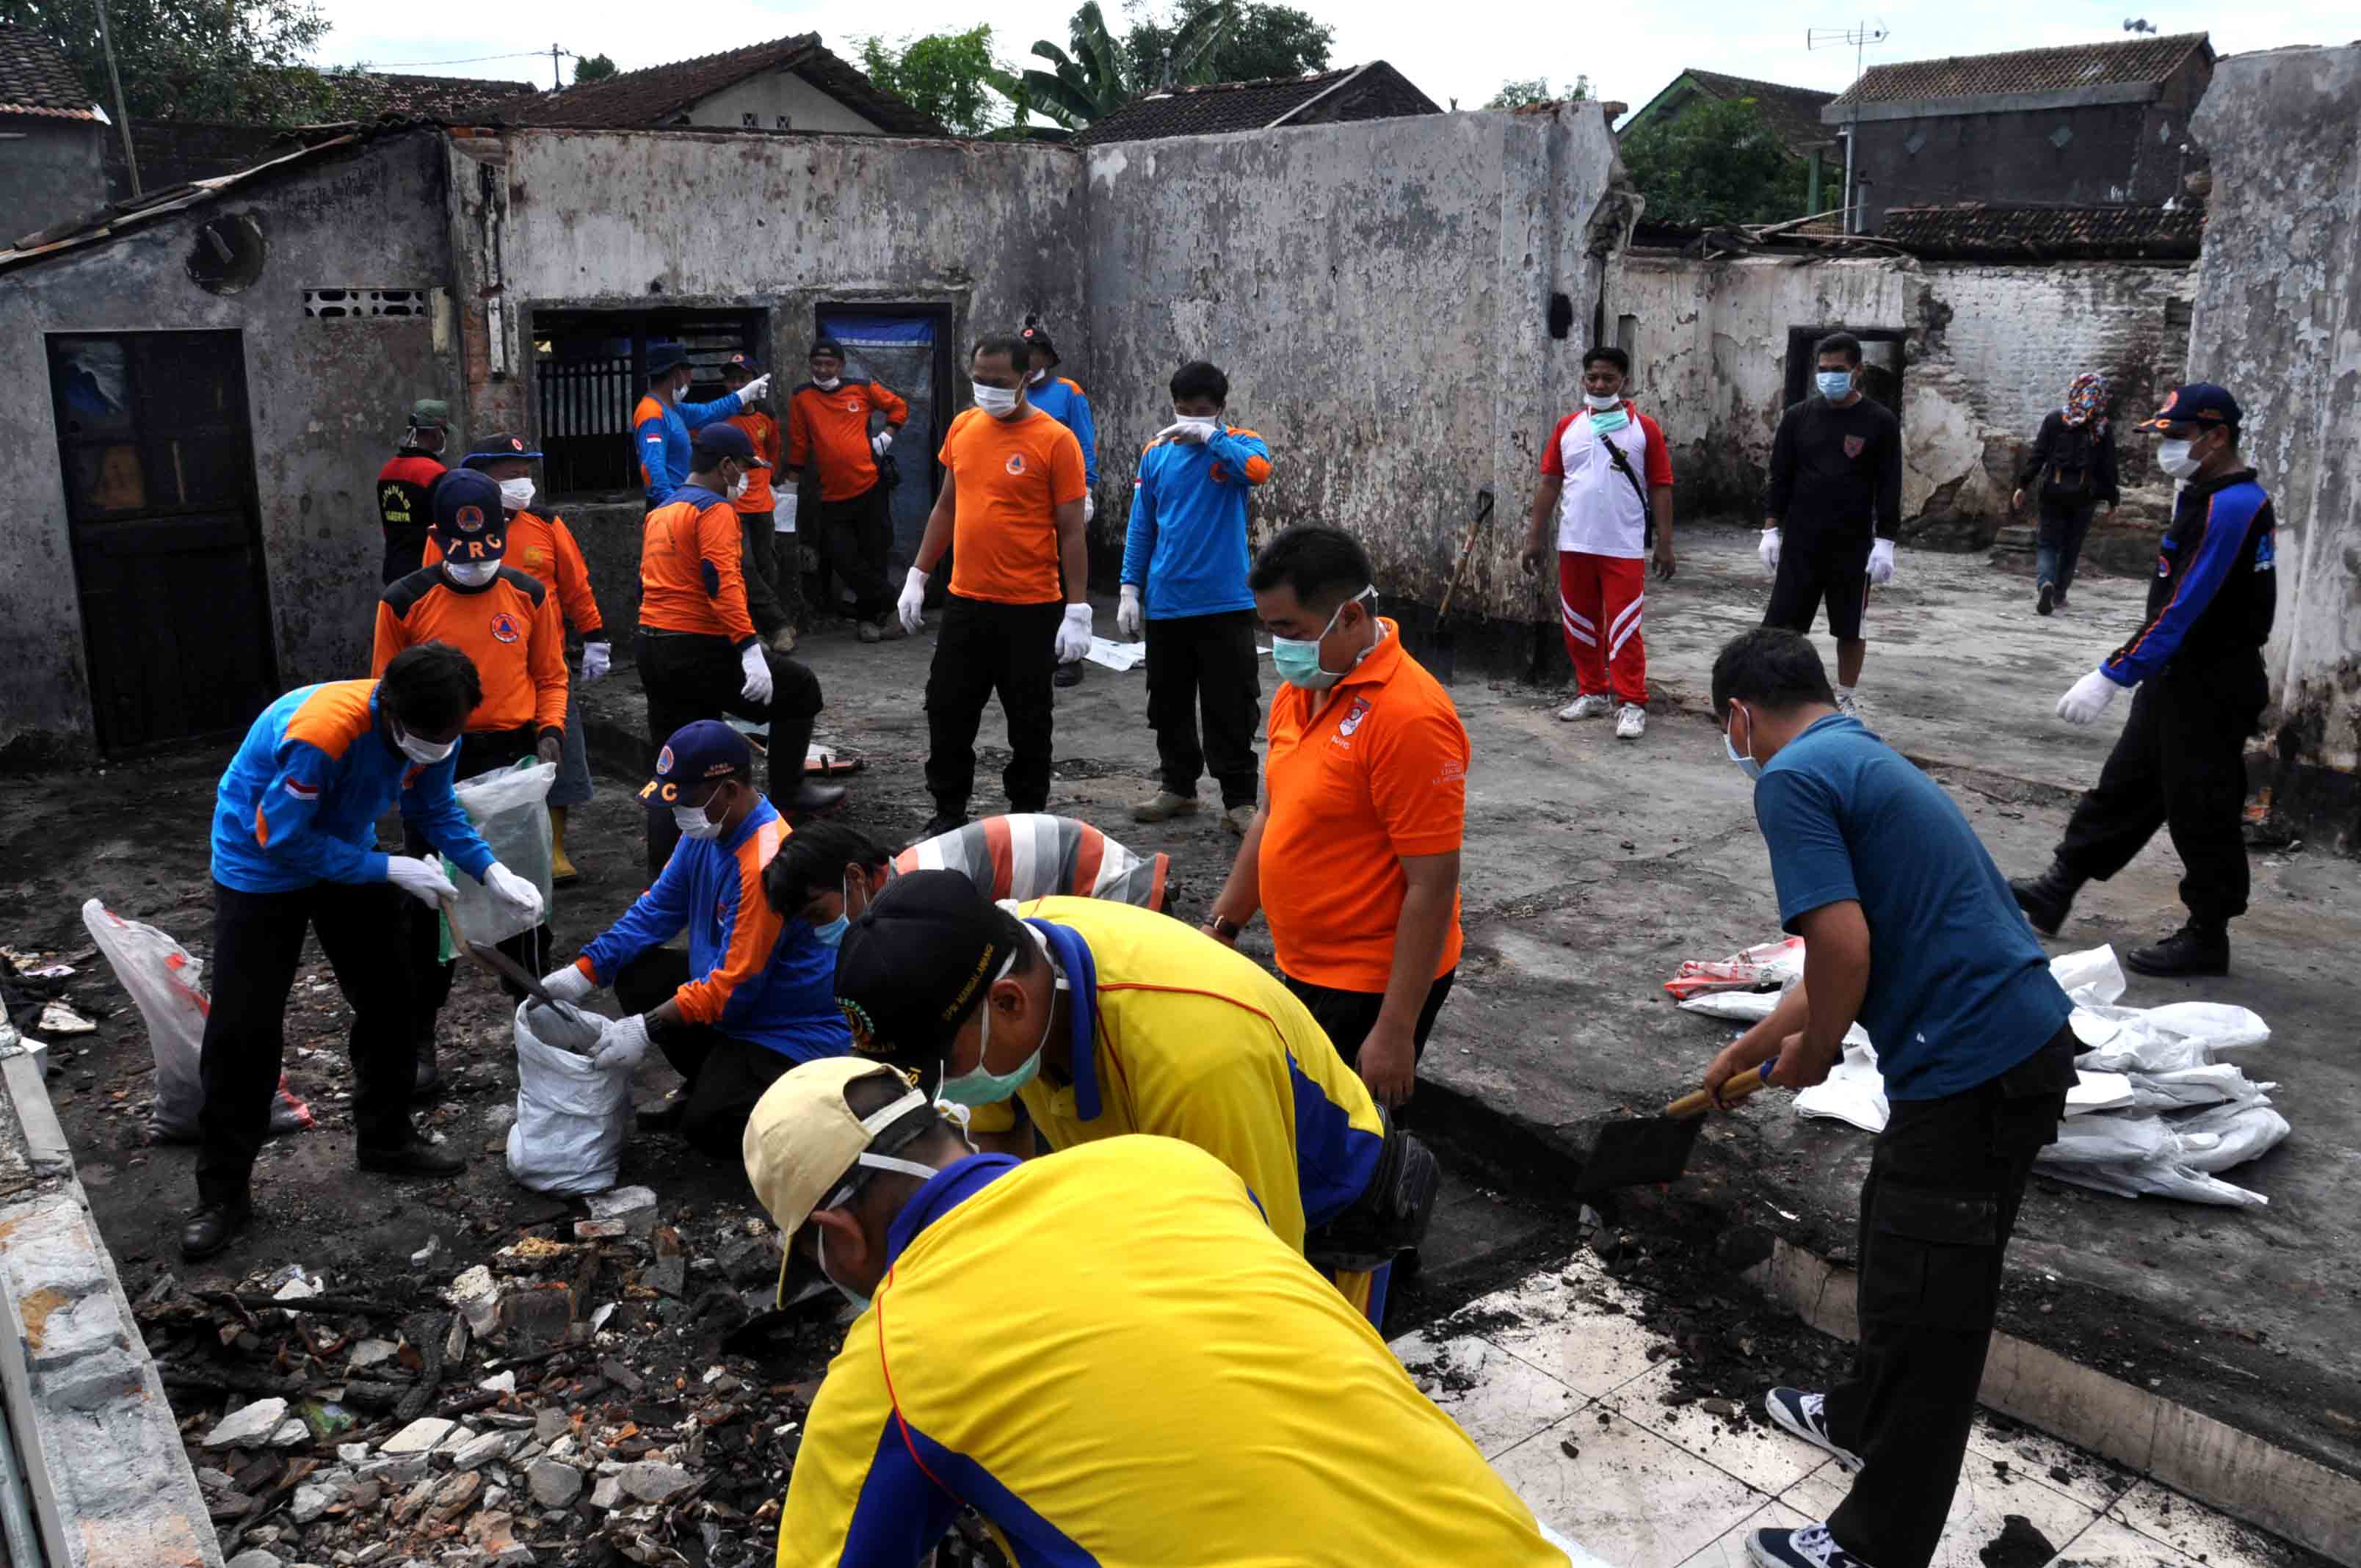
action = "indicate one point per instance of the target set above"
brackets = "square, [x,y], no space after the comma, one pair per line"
[1091,79]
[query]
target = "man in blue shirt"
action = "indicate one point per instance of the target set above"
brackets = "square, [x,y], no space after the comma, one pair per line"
[1184,573]
[2180,762]
[1908,928]
[661,424]
[754,994]
[1061,399]
[294,848]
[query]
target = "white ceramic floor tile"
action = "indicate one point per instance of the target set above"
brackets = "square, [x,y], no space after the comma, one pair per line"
[2162,1514]
[2085,1477]
[1585,1334]
[1751,1449]
[1980,1510]
[1627,1495]
[2108,1545]
[1497,1400]
[1730,1549]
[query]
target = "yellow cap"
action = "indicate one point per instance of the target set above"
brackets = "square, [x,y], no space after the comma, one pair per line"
[803,1137]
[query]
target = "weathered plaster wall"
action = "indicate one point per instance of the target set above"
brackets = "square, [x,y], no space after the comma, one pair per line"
[782,94]
[50,170]
[326,398]
[1379,294]
[2278,321]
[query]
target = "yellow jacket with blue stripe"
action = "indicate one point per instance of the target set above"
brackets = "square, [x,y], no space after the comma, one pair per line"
[1108,1355]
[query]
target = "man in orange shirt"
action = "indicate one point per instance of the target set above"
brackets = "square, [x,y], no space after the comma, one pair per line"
[764,601]
[1354,854]
[1019,602]
[698,654]
[508,625]
[827,431]
[544,550]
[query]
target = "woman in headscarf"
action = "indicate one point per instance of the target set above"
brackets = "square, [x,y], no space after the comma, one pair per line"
[2074,460]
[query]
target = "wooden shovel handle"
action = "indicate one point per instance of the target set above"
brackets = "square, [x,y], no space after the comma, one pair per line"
[1737,1088]
[1467,549]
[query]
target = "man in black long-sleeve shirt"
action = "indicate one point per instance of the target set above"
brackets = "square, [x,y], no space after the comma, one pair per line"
[1831,510]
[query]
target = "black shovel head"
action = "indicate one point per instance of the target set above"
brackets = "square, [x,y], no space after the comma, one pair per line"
[1641,1152]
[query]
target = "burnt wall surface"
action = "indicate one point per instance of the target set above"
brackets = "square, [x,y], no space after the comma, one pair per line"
[2278,320]
[1379,294]
[327,399]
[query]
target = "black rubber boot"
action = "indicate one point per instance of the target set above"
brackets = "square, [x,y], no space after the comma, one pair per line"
[2194,949]
[213,1227]
[791,791]
[1067,674]
[416,1157]
[428,1084]
[2045,899]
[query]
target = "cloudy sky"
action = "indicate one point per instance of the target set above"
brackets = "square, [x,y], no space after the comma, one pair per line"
[1461,48]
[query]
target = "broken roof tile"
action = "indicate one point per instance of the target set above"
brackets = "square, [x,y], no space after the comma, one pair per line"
[1976,231]
[1372,92]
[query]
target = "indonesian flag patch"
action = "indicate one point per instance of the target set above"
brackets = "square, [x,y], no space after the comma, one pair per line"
[301,791]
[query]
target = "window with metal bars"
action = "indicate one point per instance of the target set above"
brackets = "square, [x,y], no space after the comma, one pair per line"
[589,373]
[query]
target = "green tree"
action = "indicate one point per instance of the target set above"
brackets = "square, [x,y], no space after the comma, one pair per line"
[1518,95]
[596,68]
[240,62]
[1715,162]
[948,75]
[1259,41]
[1092,77]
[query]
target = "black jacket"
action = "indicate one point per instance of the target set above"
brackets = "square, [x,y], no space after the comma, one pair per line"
[1836,473]
[2079,460]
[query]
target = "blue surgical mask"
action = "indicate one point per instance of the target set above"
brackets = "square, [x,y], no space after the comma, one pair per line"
[1834,384]
[1297,659]
[832,933]
[977,1087]
[859,1302]
[1615,418]
[1745,760]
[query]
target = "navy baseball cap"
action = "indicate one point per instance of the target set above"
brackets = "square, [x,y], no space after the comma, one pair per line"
[827,345]
[914,964]
[468,514]
[500,448]
[1037,339]
[2198,402]
[701,750]
[664,356]
[722,439]
[741,364]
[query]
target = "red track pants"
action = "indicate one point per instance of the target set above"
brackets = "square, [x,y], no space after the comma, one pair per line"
[1601,600]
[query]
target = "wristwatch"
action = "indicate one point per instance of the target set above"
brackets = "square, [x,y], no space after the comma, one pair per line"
[1225,928]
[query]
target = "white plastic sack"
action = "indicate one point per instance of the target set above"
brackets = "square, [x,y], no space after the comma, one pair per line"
[510,806]
[2189,1086]
[2158,1180]
[572,1118]
[2238,1133]
[168,983]
[1853,1092]
[2090,978]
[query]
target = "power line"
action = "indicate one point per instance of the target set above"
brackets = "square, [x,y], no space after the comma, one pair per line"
[471,59]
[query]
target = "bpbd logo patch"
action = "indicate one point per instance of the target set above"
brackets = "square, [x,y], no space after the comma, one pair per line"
[1016,463]
[505,628]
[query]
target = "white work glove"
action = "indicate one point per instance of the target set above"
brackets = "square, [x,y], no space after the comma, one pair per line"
[1127,612]
[753,389]
[912,606]
[880,441]
[622,1044]
[1769,550]
[783,513]
[422,880]
[1881,563]
[1090,508]
[1191,432]
[568,984]
[508,888]
[1075,633]
[597,659]
[2088,698]
[758,674]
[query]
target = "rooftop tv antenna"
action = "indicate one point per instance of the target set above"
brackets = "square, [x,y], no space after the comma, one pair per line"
[1861,35]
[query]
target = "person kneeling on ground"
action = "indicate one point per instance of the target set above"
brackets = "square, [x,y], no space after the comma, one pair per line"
[1124,1301]
[1908,928]
[294,848]
[829,872]
[751,996]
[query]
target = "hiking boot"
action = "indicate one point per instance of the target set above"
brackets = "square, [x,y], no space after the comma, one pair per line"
[1589,705]
[561,869]
[2045,899]
[2194,950]
[1238,818]
[416,1157]
[870,630]
[782,640]
[1631,722]
[940,823]
[1163,806]
[1810,1547]
[1805,1416]
[1067,674]
[2046,600]
[214,1226]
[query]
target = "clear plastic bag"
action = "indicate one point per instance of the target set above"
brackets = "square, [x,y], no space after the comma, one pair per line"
[509,807]
[168,983]
[572,1118]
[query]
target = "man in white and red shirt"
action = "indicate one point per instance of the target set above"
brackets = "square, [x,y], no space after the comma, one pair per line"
[1606,477]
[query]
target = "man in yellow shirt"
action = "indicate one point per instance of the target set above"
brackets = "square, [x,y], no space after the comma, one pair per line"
[1101,1019]
[1104,1352]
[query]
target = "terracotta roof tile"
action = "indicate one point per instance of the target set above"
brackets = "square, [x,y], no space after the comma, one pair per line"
[1379,92]
[35,80]
[368,94]
[1975,231]
[2027,70]
[650,97]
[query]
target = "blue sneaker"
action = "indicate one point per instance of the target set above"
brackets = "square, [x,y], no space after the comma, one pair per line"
[1802,1414]
[1810,1547]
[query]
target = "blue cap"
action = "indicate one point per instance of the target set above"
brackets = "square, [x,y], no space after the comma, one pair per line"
[2197,402]
[701,750]
[721,439]
[664,356]
[469,516]
[741,364]
[500,448]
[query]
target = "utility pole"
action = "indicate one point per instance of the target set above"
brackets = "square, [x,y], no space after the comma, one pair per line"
[122,116]
[556,79]
[1861,35]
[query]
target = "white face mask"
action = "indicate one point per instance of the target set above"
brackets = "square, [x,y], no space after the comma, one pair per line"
[1212,427]
[471,573]
[997,402]
[873,1123]
[694,824]
[1603,400]
[737,487]
[1038,376]
[516,494]
[426,753]
[831,385]
[2173,457]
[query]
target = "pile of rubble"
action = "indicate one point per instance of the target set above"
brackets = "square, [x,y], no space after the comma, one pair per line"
[602,1389]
